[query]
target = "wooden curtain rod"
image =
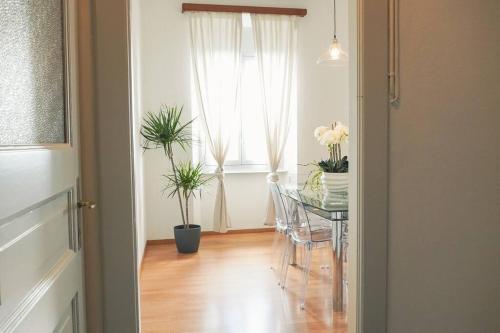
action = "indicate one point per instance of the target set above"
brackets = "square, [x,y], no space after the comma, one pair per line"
[198,7]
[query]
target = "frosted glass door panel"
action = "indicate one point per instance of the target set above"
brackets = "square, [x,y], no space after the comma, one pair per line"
[32,88]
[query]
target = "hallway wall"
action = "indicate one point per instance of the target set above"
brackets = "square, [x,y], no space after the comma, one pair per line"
[444,170]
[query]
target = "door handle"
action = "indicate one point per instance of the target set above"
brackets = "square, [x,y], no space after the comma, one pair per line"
[86,204]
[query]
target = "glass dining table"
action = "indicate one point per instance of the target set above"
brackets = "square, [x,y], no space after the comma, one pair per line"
[332,207]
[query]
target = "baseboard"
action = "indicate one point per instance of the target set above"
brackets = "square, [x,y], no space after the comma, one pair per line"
[237,231]
[160,241]
[213,233]
[142,260]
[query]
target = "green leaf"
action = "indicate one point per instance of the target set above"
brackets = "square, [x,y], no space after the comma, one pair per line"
[189,179]
[331,166]
[164,129]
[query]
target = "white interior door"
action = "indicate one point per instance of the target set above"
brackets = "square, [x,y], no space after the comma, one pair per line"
[41,272]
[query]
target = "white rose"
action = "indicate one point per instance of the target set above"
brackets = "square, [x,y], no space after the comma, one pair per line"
[330,137]
[342,133]
[319,131]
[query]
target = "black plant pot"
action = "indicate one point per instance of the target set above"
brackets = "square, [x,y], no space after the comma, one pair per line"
[187,240]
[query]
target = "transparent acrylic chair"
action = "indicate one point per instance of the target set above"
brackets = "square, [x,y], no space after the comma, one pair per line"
[303,233]
[281,237]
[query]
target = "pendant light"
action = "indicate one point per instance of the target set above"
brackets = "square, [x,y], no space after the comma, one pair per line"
[334,56]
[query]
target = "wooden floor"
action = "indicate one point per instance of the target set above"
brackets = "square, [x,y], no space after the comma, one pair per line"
[228,287]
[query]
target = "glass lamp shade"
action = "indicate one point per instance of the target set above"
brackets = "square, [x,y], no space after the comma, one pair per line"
[334,56]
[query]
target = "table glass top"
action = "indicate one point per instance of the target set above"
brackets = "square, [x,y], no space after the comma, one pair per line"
[317,199]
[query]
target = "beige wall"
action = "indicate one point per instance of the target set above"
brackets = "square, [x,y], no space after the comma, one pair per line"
[444,224]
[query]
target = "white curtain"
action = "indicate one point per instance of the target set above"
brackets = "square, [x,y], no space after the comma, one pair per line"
[276,44]
[216,54]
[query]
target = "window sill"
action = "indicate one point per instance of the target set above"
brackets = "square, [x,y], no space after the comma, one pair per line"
[238,169]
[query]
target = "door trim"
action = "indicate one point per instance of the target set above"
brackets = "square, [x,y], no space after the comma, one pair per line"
[368,310]
[107,169]
[88,174]
[116,190]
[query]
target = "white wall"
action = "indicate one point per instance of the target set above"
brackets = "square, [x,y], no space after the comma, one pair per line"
[444,221]
[165,78]
[135,36]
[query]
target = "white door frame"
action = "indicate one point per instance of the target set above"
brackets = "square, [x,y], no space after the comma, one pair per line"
[107,128]
[88,169]
[369,118]
[107,169]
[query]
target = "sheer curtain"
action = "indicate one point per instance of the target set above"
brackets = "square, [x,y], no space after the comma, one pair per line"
[276,44]
[216,54]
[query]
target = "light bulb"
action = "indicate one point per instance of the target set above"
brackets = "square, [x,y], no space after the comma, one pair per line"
[334,56]
[335,51]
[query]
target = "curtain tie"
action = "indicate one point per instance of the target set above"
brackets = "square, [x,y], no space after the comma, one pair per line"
[219,173]
[273,177]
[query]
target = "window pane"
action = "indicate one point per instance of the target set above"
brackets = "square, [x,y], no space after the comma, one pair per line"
[32,72]
[233,153]
[254,137]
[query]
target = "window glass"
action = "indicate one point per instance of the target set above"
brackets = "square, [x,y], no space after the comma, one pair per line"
[32,94]
[254,149]
[248,141]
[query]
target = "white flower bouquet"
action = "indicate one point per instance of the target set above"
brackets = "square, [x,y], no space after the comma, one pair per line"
[332,137]
[332,173]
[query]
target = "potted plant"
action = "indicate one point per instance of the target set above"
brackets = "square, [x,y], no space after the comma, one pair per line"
[187,179]
[332,173]
[165,131]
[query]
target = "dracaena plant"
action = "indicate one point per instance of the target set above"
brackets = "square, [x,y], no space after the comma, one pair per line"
[185,181]
[165,130]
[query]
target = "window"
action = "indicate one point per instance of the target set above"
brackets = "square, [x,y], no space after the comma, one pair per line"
[247,148]
[253,137]
[248,141]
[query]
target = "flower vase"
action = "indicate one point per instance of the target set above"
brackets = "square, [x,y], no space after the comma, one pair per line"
[334,183]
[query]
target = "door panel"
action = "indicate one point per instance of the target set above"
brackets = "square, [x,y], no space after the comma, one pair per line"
[29,177]
[67,323]
[38,239]
[41,265]
[47,307]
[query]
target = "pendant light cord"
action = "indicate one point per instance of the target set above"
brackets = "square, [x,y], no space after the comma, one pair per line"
[334,19]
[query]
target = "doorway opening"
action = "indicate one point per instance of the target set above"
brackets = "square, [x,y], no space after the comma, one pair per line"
[256,170]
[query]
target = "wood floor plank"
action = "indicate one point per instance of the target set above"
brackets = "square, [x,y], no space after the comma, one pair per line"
[228,287]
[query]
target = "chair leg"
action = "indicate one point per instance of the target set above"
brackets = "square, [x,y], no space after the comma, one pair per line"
[307,267]
[283,256]
[286,263]
[325,263]
[331,259]
[273,248]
